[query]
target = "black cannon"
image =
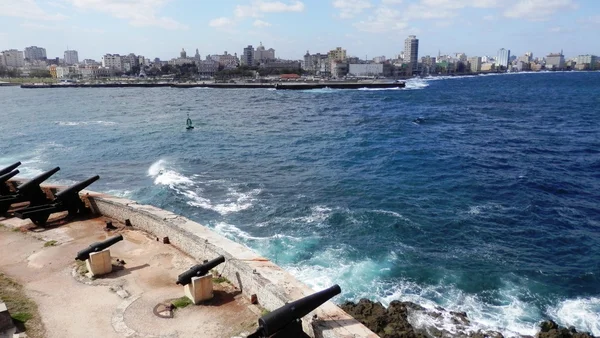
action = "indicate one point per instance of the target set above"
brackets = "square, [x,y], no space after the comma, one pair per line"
[9,168]
[286,321]
[4,188]
[198,270]
[29,191]
[97,247]
[66,200]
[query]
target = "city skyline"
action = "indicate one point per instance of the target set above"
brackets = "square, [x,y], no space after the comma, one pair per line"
[364,28]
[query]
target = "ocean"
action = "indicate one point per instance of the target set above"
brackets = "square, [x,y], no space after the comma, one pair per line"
[478,194]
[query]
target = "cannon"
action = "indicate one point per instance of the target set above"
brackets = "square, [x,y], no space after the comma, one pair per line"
[97,247]
[198,270]
[65,200]
[29,191]
[9,168]
[4,188]
[286,321]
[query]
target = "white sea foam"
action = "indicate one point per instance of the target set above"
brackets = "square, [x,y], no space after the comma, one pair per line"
[379,89]
[165,176]
[416,83]
[83,123]
[583,313]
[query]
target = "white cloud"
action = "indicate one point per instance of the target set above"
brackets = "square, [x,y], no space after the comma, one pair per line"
[538,10]
[384,19]
[26,9]
[351,8]
[559,29]
[260,23]
[221,22]
[258,7]
[139,13]
[489,18]
[39,26]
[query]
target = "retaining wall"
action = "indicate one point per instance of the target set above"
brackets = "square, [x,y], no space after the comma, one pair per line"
[251,273]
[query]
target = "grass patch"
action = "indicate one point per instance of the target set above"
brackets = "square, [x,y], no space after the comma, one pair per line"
[16,229]
[182,302]
[22,317]
[220,280]
[81,268]
[22,309]
[50,243]
[264,312]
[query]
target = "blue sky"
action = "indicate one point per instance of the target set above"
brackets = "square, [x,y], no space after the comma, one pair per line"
[365,28]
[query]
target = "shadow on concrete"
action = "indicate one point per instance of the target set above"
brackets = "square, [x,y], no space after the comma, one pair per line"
[120,271]
[221,298]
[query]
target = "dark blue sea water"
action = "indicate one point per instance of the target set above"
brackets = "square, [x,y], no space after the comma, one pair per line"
[478,194]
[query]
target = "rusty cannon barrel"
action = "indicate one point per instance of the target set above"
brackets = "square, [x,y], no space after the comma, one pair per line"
[66,200]
[73,191]
[29,191]
[285,321]
[9,168]
[4,189]
[198,270]
[35,182]
[97,247]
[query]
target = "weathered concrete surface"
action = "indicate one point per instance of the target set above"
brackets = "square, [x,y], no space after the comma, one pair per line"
[119,304]
[251,273]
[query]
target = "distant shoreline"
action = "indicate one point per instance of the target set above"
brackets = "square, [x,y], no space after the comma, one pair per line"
[284,86]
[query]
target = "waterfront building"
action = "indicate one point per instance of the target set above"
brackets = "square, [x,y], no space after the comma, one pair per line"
[555,61]
[35,53]
[207,68]
[12,58]
[475,63]
[461,57]
[280,64]
[313,62]
[248,56]
[503,57]
[379,59]
[523,66]
[411,53]
[263,55]
[369,69]
[132,59]
[112,61]
[339,69]
[71,57]
[488,67]
[586,62]
[338,54]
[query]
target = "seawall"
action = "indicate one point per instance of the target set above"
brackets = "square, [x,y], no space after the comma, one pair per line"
[278,86]
[248,271]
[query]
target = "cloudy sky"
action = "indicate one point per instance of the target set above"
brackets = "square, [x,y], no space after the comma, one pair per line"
[366,28]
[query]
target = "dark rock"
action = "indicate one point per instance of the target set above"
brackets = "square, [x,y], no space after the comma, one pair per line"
[548,325]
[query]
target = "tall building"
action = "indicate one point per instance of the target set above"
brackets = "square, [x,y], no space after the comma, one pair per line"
[197,56]
[183,54]
[555,61]
[35,53]
[261,54]
[586,62]
[503,57]
[338,54]
[411,53]
[475,63]
[112,61]
[12,58]
[248,56]
[71,57]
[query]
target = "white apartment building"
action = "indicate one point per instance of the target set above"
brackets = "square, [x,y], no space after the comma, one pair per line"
[71,57]
[12,58]
[112,61]
[35,53]
[411,53]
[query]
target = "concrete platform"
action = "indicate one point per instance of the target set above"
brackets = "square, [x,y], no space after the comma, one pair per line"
[122,303]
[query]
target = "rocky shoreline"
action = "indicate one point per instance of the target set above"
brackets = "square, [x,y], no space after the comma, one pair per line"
[394,322]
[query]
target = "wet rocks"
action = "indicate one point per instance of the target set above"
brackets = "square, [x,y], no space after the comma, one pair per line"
[549,329]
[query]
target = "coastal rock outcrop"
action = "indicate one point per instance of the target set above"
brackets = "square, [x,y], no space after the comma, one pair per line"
[395,322]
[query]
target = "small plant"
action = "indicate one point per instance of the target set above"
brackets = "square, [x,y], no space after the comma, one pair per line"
[182,302]
[50,243]
[81,268]
[22,317]
[264,312]
[16,229]
[220,279]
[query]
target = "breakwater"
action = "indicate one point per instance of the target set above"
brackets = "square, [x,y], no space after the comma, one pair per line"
[279,86]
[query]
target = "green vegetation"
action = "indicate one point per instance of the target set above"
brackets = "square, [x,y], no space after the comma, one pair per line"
[50,243]
[23,310]
[264,312]
[182,302]
[220,280]
[81,268]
